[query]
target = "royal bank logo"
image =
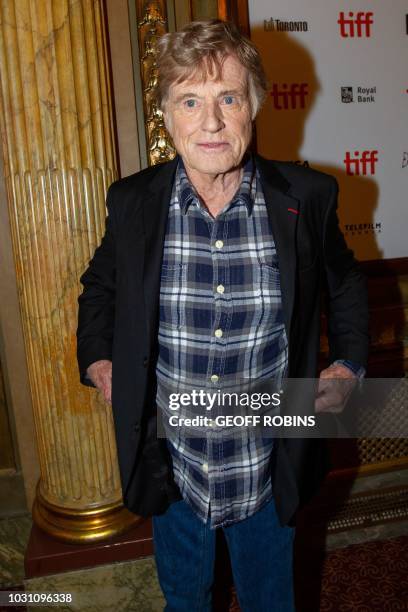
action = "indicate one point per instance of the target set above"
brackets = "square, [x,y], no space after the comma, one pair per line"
[361,95]
[278,25]
[289,96]
[361,164]
[405,159]
[358,229]
[347,95]
[355,25]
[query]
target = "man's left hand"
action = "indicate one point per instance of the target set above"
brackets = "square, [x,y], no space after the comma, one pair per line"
[335,386]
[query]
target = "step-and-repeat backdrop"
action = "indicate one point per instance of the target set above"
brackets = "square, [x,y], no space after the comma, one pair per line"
[338,102]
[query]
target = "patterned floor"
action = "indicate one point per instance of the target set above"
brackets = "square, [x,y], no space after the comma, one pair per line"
[367,577]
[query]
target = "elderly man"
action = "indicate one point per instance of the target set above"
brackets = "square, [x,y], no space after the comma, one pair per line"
[210,272]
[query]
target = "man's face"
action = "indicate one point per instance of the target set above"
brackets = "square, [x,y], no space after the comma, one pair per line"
[210,122]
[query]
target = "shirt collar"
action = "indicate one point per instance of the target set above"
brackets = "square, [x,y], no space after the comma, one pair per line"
[187,194]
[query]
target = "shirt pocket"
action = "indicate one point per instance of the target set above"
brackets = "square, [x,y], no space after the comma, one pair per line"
[269,280]
[270,301]
[173,295]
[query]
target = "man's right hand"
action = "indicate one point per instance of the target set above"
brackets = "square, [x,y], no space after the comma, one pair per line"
[100,372]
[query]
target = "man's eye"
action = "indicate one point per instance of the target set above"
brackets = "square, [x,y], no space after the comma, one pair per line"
[229,100]
[191,103]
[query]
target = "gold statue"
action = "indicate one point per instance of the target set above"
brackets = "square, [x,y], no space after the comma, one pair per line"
[150,44]
[152,15]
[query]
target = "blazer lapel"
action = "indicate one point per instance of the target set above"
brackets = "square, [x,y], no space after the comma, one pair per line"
[155,213]
[283,211]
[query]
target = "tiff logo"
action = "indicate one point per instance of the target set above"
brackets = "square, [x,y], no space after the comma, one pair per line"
[289,97]
[361,164]
[355,26]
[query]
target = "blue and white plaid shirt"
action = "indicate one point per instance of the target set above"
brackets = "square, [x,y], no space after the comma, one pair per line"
[221,323]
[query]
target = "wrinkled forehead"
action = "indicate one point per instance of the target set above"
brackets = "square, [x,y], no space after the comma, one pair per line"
[226,69]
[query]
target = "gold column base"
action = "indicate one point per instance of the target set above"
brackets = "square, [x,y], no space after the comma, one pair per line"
[82,526]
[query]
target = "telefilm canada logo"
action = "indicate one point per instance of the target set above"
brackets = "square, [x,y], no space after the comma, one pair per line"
[278,25]
[361,163]
[359,94]
[287,96]
[355,25]
[358,229]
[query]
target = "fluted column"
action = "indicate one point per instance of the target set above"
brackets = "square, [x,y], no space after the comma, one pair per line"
[58,146]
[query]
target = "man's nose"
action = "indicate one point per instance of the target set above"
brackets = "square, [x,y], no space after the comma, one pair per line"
[212,117]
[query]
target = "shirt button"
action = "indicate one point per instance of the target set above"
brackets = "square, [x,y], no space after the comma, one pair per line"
[205,467]
[219,244]
[214,378]
[218,333]
[220,289]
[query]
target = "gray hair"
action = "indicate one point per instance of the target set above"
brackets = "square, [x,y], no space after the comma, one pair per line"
[203,46]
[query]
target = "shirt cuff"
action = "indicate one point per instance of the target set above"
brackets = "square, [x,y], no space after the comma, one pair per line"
[356,368]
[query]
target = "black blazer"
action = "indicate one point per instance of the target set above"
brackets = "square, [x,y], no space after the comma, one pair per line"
[118,318]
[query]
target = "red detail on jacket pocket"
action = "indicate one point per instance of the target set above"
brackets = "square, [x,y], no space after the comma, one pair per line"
[293,210]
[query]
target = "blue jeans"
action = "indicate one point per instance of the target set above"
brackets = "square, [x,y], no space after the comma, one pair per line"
[261,559]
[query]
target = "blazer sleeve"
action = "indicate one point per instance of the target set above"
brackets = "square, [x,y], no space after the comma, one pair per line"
[96,303]
[346,291]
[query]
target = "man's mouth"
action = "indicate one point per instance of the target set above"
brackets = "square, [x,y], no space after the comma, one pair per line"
[212,146]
